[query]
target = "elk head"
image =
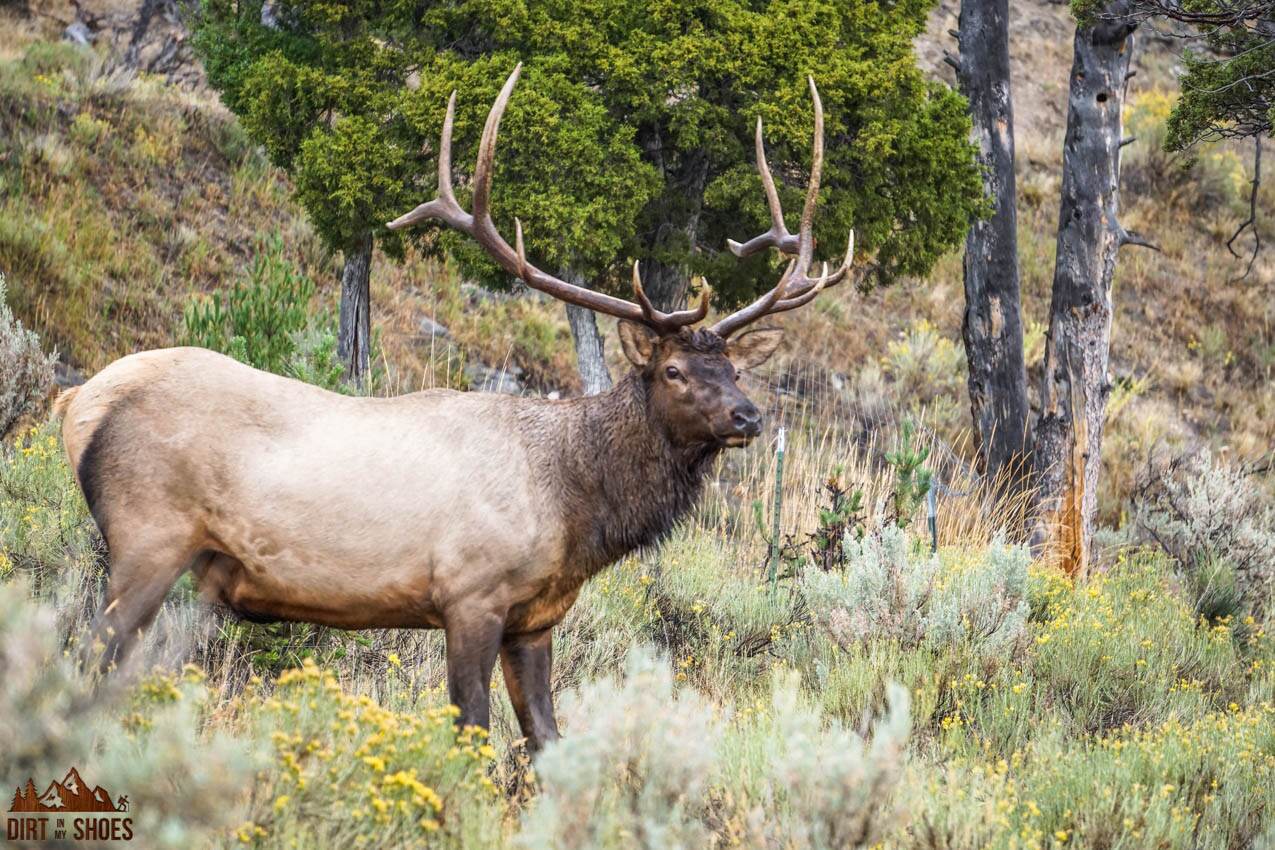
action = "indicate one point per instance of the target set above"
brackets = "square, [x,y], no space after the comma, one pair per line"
[690,374]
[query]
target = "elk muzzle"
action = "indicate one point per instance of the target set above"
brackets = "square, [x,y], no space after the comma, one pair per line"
[745,424]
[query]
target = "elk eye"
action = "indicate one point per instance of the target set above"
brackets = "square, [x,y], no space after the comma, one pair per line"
[672,373]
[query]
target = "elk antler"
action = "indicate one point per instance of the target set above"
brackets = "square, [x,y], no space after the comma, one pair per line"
[795,286]
[480,226]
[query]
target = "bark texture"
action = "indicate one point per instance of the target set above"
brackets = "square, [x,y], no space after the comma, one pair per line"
[993,326]
[354,337]
[1075,384]
[665,285]
[590,349]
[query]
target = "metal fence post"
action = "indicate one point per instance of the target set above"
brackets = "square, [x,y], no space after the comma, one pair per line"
[779,506]
[932,517]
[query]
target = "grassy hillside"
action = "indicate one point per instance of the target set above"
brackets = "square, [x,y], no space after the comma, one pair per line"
[121,196]
[875,695]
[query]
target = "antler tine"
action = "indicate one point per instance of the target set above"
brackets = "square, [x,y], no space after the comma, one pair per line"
[638,291]
[805,235]
[806,297]
[445,151]
[676,319]
[487,148]
[795,287]
[444,206]
[758,308]
[835,278]
[520,248]
[778,235]
[513,260]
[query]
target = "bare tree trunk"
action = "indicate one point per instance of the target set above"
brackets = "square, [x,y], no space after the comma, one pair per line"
[1075,386]
[354,337]
[665,285]
[993,326]
[590,346]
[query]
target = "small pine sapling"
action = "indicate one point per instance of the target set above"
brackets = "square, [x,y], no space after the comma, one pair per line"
[840,515]
[912,480]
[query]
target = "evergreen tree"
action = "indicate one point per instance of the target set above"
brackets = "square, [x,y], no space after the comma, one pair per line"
[1228,86]
[630,138]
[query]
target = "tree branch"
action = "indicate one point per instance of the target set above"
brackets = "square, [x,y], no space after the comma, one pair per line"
[1133,237]
[1251,222]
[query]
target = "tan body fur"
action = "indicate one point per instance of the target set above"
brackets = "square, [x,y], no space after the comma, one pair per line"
[351,512]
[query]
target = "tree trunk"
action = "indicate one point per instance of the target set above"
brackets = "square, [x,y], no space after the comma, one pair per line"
[590,346]
[1075,386]
[665,285]
[993,327]
[354,338]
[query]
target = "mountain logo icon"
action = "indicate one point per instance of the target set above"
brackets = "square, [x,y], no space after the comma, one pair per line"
[71,794]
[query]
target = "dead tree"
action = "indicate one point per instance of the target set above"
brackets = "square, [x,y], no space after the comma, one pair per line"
[993,326]
[1075,385]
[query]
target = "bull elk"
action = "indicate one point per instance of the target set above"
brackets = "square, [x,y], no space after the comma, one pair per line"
[478,514]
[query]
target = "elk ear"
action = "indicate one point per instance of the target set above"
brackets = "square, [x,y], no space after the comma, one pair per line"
[754,347]
[638,342]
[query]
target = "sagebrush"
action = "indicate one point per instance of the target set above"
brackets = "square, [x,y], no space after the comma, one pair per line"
[26,371]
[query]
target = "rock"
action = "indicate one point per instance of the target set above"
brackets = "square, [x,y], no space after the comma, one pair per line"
[484,379]
[270,15]
[429,329]
[66,376]
[79,33]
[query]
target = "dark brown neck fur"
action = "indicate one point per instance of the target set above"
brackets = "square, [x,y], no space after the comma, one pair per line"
[620,482]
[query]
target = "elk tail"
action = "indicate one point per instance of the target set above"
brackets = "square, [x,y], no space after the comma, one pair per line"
[63,401]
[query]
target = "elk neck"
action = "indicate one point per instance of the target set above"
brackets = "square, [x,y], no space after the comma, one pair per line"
[620,481]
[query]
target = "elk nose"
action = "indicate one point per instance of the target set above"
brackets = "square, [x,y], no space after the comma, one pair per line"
[747,418]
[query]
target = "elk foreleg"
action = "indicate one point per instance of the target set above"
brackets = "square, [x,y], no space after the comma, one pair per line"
[527,660]
[473,641]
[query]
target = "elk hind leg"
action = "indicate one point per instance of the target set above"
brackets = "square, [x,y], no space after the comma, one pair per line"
[144,566]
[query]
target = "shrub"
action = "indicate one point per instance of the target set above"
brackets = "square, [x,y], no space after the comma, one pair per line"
[633,770]
[1203,783]
[1211,517]
[644,765]
[1208,177]
[888,594]
[181,785]
[46,534]
[825,786]
[1124,648]
[348,772]
[26,372]
[927,377]
[924,364]
[268,322]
